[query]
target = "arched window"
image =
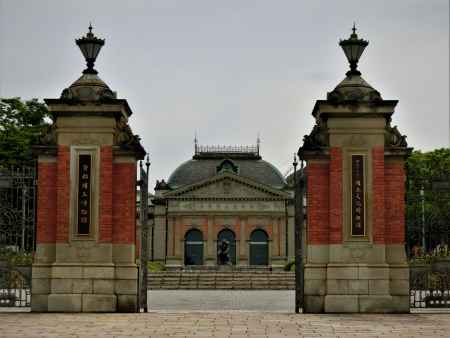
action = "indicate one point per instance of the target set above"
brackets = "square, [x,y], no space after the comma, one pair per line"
[226,247]
[193,247]
[259,248]
[227,166]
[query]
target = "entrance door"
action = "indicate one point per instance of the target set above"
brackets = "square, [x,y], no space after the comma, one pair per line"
[226,248]
[193,248]
[259,248]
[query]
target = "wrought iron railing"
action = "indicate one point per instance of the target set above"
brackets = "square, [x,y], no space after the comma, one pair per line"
[430,284]
[199,149]
[17,234]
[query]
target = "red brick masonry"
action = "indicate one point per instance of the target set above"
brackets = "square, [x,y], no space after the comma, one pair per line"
[335,196]
[106,195]
[62,194]
[378,196]
[318,202]
[46,203]
[325,200]
[394,178]
[124,203]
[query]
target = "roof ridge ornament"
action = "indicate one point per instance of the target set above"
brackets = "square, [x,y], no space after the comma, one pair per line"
[353,49]
[90,47]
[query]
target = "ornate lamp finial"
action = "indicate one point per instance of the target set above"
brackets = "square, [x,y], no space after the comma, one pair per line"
[90,46]
[353,49]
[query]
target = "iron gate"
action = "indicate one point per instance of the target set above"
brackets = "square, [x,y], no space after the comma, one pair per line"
[17,234]
[427,244]
[144,235]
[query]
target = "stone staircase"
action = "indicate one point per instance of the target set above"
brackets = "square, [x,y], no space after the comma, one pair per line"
[222,280]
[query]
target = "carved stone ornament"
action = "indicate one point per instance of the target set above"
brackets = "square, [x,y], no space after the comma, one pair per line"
[354,88]
[393,138]
[317,139]
[124,137]
[354,95]
[48,137]
[89,87]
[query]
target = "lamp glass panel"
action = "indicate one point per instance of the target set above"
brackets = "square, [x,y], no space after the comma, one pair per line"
[355,49]
[359,51]
[91,50]
[83,49]
[96,50]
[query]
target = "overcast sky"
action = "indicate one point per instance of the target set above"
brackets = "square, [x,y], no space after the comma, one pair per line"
[228,70]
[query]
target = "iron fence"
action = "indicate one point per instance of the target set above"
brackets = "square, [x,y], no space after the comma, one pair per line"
[17,234]
[427,244]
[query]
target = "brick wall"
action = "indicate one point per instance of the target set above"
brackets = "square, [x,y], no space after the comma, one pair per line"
[63,194]
[46,203]
[378,210]
[318,202]
[124,203]
[394,178]
[335,216]
[106,195]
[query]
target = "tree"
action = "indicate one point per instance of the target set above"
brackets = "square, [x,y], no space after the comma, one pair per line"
[21,124]
[428,198]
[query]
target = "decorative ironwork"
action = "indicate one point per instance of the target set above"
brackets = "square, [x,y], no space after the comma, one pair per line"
[17,234]
[227,149]
[299,220]
[430,286]
[90,46]
[143,218]
[427,244]
[353,49]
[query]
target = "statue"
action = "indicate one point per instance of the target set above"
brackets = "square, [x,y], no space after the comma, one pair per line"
[223,252]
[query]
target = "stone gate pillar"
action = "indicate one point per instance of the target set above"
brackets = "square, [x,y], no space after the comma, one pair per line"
[85,257]
[355,257]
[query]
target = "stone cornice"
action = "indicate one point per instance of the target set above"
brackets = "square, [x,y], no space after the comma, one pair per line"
[80,107]
[44,150]
[351,108]
[227,199]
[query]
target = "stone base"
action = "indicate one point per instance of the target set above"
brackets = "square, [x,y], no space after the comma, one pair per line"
[356,288]
[356,304]
[84,288]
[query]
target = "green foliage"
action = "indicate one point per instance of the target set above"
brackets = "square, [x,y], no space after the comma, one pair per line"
[15,258]
[426,170]
[289,266]
[155,266]
[21,124]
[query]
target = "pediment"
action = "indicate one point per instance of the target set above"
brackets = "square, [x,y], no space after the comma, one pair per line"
[227,185]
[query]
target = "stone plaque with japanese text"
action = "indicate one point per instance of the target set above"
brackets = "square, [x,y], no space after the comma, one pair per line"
[84,194]
[358,205]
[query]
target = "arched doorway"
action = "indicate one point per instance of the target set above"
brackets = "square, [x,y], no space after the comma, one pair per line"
[259,248]
[193,247]
[226,247]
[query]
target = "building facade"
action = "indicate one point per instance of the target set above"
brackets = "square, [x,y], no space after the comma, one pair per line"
[225,206]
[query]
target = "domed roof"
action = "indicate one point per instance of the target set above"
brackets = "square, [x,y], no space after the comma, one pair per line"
[89,87]
[354,88]
[196,170]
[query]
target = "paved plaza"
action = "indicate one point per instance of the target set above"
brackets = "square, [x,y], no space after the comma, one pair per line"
[222,324]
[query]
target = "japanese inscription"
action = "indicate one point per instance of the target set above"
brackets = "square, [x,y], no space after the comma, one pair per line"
[358,193]
[84,194]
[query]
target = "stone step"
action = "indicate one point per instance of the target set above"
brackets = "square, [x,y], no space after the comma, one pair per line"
[212,279]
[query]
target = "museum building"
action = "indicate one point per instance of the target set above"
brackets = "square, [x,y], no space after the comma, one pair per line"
[224,207]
